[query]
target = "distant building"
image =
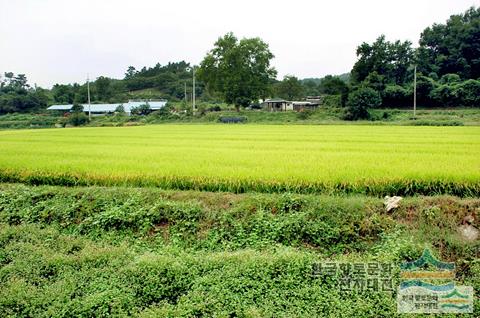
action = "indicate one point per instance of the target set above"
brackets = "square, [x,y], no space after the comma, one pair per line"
[279,105]
[314,99]
[304,105]
[102,109]
[276,105]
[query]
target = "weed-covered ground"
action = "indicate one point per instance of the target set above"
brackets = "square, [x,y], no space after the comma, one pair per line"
[98,252]
[323,116]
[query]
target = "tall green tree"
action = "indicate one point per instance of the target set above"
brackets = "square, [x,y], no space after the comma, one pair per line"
[290,88]
[310,87]
[16,95]
[103,87]
[238,69]
[453,47]
[389,59]
[332,85]
[63,94]
[130,73]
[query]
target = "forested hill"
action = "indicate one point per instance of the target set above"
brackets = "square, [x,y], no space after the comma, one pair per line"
[161,81]
[317,80]
[168,81]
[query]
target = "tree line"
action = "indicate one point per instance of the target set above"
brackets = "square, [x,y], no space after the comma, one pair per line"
[161,81]
[167,81]
[447,61]
[16,95]
[239,72]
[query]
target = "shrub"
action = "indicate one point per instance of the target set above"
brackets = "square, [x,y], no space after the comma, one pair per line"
[78,119]
[288,203]
[454,93]
[332,100]
[445,95]
[160,278]
[304,114]
[450,79]
[360,101]
[120,109]
[141,110]
[425,86]
[436,123]
[218,108]
[396,96]
[77,108]
[164,112]
[468,93]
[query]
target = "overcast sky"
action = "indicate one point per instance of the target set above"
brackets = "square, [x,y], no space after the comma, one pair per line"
[62,40]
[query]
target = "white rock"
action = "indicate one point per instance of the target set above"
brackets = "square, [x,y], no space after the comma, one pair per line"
[468,232]
[392,202]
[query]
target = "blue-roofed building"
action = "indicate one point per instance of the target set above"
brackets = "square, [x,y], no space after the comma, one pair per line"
[102,109]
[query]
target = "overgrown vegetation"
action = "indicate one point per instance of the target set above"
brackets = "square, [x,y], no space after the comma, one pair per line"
[211,113]
[117,251]
[360,101]
[22,121]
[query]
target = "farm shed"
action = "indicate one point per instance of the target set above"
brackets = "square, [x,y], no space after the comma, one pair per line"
[314,99]
[276,105]
[300,106]
[101,109]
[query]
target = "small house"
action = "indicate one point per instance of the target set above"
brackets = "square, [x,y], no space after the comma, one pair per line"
[304,105]
[276,105]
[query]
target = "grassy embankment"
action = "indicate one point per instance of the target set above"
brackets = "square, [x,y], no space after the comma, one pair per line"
[324,116]
[24,121]
[70,252]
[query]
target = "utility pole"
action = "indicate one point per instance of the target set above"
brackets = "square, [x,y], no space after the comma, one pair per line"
[193,97]
[415,91]
[88,94]
[188,69]
[185,94]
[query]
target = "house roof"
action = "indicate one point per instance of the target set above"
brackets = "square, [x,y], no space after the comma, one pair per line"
[301,103]
[60,107]
[275,100]
[110,108]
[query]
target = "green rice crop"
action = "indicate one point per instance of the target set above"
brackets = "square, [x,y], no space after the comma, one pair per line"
[239,158]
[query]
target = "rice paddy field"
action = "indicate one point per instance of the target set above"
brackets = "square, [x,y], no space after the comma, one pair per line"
[241,158]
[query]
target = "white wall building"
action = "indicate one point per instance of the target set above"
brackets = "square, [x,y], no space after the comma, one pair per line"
[101,109]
